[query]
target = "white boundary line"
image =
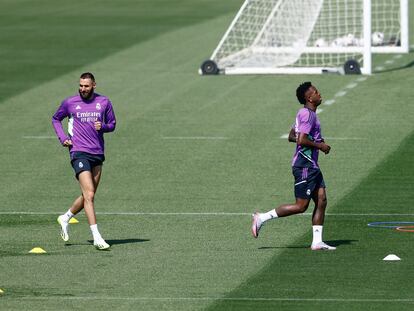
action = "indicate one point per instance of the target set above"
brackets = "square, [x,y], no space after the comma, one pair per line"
[200,214]
[409,300]
[194,137]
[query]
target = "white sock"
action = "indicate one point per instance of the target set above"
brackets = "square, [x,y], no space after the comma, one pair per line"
[67,216]
[269,215]
[95,232]
[317,234]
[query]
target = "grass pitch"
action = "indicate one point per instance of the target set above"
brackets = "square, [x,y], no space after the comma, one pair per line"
[191,158]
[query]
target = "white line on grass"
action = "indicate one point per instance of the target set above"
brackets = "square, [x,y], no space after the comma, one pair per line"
[362,79]
[340,94]
[351,85]
[194,137]
[199,214]
[329,102]
[222,299]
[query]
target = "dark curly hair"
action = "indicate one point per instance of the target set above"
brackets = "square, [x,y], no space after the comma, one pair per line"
[301,90]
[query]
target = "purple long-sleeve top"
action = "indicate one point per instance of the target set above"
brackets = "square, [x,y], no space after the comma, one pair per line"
[82,115]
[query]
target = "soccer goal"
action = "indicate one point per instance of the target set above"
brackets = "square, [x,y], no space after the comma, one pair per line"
[310,36]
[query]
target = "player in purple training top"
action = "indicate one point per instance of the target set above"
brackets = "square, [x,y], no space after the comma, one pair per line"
[309,183]
[90,115]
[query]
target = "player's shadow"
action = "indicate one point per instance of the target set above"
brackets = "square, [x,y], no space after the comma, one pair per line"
[123,241]
[335,243]
[341,242]
[409,65]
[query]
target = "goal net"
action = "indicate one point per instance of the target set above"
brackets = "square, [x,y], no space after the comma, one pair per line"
[310,36]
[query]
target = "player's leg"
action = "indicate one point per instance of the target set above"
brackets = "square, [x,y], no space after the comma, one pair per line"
[300,206]
[318,217]
[88,181]
[320,200]
[284,210]
[302,195]
[88,193]
[77,205]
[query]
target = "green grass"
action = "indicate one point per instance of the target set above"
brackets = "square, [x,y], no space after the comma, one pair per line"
[354,276]
[44,39]
[194,261]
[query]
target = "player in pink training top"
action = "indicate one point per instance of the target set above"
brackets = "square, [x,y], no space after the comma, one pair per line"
[90,115]
[309,183]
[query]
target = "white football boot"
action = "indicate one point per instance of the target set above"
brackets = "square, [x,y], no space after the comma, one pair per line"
[256,224]
[101,244]
[64,228]
[322,246]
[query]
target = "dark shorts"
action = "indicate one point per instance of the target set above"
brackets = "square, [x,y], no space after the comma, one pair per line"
[83,161]
[307,181]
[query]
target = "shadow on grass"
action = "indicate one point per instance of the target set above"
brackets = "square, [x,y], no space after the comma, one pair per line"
[409,65]
[335,243]
[111,242]
[341,242]
[123,241]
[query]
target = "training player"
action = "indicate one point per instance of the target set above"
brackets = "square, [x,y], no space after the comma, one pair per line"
[90,115]
[309,183]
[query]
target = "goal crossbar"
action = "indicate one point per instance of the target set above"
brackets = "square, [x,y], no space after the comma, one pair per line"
[258,40]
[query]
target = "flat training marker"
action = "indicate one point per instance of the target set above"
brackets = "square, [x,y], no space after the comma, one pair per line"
[37,250]
[392,257]
[73,220]
[1,291]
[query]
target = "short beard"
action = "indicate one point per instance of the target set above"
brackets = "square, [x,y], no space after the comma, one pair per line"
[87,96]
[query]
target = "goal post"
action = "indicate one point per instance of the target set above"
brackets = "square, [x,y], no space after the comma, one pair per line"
[310,36]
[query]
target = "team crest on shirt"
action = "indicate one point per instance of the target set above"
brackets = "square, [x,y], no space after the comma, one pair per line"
[98,106]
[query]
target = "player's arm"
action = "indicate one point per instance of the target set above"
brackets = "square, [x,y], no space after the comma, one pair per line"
[57,118]
[109,123]
[304,141]
[292,135]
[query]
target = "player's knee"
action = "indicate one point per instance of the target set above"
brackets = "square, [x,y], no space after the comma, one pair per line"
[301,208]
[88,196]
[323,201]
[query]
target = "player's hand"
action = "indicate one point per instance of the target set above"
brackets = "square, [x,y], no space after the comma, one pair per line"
[67,143]
[98,125]
[324,148]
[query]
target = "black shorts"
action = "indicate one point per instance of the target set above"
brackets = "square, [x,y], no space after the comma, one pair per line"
[83,161]
[307,181]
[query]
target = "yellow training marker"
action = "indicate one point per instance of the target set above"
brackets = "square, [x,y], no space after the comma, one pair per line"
[73,220]
[1,291]
[38,250]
